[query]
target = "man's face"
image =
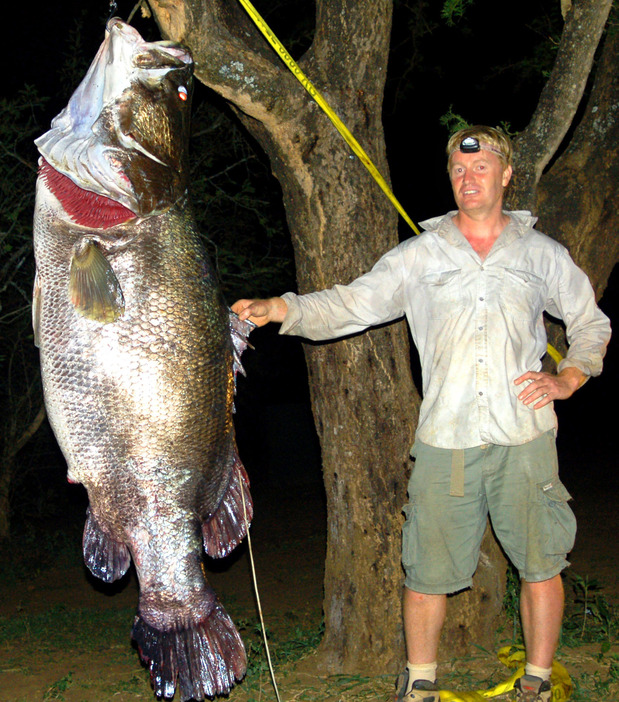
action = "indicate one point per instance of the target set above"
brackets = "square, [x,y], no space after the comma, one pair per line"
[478,180]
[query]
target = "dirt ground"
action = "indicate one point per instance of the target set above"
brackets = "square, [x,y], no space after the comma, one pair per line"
[288,541]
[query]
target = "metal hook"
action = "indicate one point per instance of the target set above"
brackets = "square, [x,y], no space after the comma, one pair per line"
[113,8]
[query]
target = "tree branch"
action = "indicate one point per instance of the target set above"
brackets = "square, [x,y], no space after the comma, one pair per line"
[28,433]
[231,56]
[560,98]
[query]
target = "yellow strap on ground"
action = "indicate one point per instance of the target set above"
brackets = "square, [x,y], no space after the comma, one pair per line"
[337,122]
[514,658]
[339,125]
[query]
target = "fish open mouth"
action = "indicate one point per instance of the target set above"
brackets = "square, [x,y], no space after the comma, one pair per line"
[84,207]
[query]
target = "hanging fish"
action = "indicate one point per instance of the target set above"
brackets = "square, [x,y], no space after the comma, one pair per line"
[138,355]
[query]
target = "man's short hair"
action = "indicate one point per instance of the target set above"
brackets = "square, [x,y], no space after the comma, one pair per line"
[494,139]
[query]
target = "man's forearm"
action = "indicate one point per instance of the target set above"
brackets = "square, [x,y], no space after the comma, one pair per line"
[573,376]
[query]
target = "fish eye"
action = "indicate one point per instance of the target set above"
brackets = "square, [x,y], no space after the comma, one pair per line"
[182,92]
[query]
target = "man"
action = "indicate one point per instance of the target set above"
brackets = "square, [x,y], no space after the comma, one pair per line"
[474,286]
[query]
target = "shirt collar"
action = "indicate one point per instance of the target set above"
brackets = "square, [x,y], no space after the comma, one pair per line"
[520,221]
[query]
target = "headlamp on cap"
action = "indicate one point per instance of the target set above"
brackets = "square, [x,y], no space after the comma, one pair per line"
[470,145]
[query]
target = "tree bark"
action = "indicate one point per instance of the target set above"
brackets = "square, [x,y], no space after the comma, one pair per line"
[472,615]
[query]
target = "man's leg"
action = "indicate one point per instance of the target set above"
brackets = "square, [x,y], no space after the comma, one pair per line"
[536,527]
[423,620]
[541,610]
[440,550]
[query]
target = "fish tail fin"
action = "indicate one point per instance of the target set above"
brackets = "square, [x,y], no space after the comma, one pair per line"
[205,658]
[227,527]
[105,557]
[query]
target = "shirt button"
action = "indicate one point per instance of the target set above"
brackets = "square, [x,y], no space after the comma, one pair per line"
[481,360]
[480,392]
[480,328]
[481,298]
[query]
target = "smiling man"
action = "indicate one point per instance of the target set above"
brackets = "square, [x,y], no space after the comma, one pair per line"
[473,287]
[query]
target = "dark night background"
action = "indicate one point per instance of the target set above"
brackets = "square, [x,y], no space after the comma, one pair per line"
[480,68]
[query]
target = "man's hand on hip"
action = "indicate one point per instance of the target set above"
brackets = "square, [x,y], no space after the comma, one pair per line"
[546,387]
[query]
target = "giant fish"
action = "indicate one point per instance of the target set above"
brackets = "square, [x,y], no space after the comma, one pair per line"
[138,355]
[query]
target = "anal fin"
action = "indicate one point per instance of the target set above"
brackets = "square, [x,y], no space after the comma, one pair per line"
[105,557]
[226,527]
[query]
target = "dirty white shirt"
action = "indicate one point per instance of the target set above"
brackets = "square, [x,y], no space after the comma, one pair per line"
[478,325]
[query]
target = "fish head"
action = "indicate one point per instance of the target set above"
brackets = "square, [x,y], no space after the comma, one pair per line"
[124,133]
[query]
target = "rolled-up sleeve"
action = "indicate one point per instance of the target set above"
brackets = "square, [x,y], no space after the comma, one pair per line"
[587,328]
[375,298]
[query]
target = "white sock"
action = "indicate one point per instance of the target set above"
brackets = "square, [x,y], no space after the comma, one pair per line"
[426,671]
[536,671]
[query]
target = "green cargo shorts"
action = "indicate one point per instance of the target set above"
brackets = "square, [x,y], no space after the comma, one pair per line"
[450,496]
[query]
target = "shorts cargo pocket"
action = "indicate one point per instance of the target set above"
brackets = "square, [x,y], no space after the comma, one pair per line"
[409,536]
[559,522]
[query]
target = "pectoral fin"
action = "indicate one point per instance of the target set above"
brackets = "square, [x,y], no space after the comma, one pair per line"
[93,287]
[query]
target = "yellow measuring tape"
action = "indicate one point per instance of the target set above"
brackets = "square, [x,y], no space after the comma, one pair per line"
[514,658]
[337,122]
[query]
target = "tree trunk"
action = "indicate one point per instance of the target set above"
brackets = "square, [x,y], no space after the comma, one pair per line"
[576,197]
[472,615]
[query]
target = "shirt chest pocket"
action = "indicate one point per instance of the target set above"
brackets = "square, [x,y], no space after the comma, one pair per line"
[522,294]
[442,293]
